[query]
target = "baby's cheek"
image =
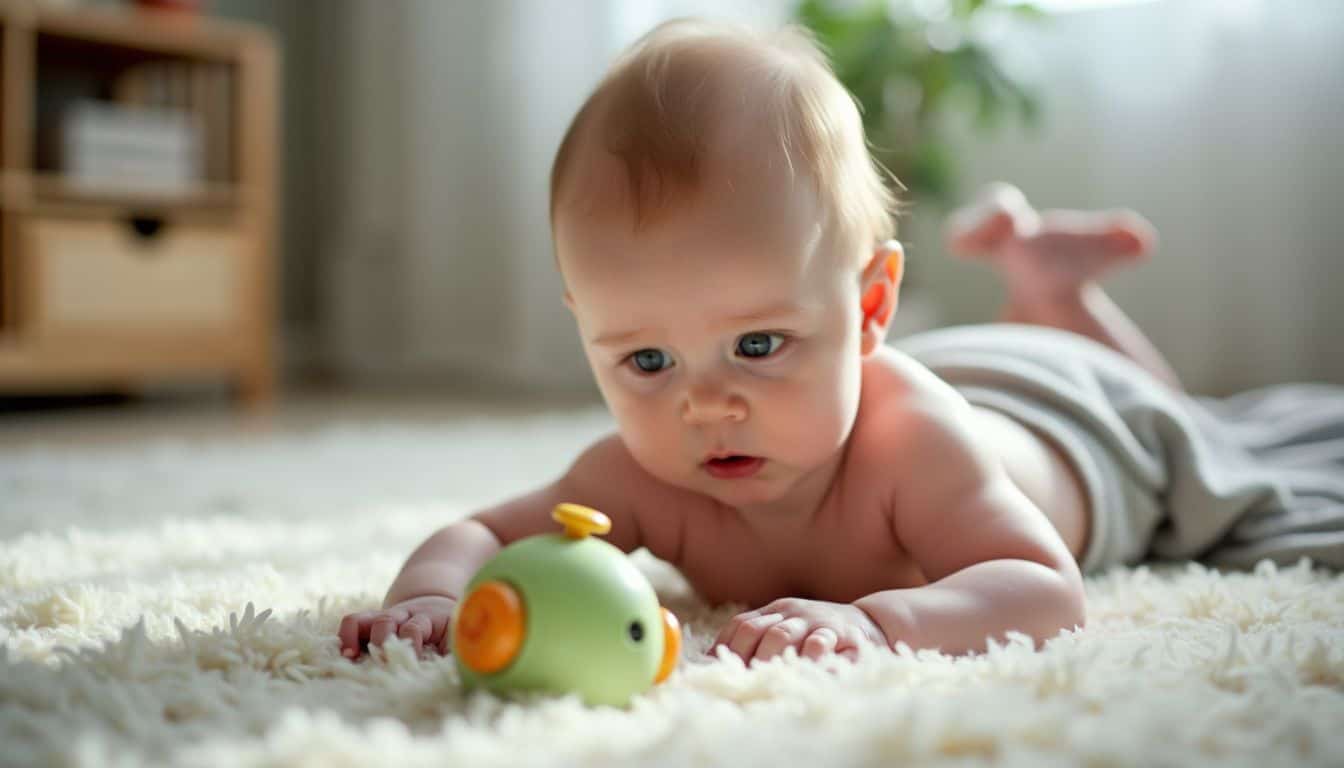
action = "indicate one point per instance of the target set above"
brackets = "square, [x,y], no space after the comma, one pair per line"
[651,438]
[818,420]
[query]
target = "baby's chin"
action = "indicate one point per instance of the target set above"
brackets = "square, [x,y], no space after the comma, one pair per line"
[771,483]
[742,496]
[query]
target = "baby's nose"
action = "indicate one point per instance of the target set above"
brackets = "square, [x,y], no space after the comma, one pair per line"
[710,402]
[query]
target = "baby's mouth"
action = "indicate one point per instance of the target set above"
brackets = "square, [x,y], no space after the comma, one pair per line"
[733,466]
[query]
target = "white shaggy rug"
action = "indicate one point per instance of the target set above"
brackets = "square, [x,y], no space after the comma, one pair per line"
[175,603]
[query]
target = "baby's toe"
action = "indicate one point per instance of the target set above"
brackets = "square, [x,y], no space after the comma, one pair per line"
[1131,235]
[999,213]
[975,233]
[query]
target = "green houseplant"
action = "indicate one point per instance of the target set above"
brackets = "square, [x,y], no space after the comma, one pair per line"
[911,62]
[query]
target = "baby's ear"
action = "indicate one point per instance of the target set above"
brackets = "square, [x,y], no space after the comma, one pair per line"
[889,258]
[881,282]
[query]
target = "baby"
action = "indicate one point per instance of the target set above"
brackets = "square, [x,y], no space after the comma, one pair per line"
[724,239]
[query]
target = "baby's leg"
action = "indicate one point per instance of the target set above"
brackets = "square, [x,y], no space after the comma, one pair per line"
[1050,262]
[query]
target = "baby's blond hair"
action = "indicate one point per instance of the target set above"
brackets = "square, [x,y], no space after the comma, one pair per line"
[668,103]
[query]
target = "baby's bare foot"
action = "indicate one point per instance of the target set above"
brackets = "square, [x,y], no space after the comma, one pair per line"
[1051,254]
[1000,213]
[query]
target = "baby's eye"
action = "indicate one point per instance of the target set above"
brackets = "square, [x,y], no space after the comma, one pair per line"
[651,360]
[759,344]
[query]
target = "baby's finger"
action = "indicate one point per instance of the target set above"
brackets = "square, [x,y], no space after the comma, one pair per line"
[785,634]
[821,642]
[439,624]
[380,629]
[852,644]
[445,643]
[726,632]
[353,630]
[748,634]
[415,629]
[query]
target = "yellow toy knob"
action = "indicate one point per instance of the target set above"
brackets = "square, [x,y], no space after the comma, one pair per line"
[580,521]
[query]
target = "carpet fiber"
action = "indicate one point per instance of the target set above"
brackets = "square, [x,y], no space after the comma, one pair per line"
[175,603]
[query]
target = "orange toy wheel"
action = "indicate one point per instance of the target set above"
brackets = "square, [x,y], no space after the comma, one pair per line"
[671,646]
[489,630]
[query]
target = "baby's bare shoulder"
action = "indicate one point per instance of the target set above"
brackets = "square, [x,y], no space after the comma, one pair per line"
[911,422]
[898,388]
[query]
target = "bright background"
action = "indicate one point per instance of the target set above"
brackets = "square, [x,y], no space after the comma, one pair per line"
[417,136]
[420,134]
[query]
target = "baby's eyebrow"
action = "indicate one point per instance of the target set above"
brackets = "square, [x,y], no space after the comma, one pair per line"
[612,339]
[772,312]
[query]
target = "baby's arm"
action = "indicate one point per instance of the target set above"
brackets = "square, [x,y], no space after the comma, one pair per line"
[421,600]
[993,560]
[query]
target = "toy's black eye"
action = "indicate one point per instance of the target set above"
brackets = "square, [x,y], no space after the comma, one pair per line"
[636,631]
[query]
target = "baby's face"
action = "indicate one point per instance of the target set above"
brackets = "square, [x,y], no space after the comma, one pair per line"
[725,340]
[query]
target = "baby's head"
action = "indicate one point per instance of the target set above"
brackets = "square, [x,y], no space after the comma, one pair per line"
[716,212]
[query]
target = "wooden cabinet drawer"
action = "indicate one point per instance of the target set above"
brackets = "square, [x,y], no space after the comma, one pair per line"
[103,277]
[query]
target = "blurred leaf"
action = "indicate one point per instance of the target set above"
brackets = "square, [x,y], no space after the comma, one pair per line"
[966,8]
[933,168]
[1029,11]
[906,87]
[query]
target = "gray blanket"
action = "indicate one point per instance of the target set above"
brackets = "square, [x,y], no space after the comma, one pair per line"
[1170,476]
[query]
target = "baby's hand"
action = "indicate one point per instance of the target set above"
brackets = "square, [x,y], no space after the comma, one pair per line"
[422,620]
[813,627]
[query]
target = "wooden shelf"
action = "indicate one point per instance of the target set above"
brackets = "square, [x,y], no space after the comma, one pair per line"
[43,366]
[54,189]
[49,192]
[139,30]
[155,256]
